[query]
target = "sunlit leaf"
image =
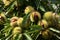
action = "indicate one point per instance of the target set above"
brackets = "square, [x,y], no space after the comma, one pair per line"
[28,36]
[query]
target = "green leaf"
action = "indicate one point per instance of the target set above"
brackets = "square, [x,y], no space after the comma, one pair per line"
[25,20]
[36,27]
[54,30]
[35,35]
[9,37]
[1,35]
[11,7]
[5,27]
[28,36]
[42,8]
[16,37]
[20,37]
